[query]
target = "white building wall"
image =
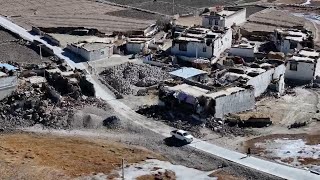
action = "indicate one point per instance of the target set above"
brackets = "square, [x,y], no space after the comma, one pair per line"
[100,54]
[234,103]
[194,49]
[305,71]
[223,43]
[238,18]
[7,86]
[92,55]
[261,82]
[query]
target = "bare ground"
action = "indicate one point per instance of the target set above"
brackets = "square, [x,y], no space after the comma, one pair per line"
[72,13]
[51,157]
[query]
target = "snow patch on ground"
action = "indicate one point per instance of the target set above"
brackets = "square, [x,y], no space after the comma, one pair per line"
[148,167]
[293,150]
[307,2]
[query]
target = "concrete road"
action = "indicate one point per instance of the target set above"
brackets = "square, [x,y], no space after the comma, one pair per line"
[275,169]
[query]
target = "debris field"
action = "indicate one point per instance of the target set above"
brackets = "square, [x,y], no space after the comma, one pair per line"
[128,77]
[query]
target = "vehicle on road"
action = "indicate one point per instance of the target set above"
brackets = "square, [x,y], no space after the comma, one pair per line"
[182,135]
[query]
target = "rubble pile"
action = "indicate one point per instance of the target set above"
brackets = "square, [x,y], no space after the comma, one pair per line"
[217,125]
[34,104]
[124,77]
[188,122]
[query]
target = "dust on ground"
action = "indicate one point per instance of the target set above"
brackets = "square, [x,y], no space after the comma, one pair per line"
[63,157]
[300,106]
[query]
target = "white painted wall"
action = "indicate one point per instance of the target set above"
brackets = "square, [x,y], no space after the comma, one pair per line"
[234,103]
[262,81]
[7,86]
[92,55]
[238,18]
[305,71]
[196,48]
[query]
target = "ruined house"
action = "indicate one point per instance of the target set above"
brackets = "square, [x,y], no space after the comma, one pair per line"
[137,45]
[232,89]
[303,66]
[224,17]
[191,43]
[291,40]
[8,80]
[190,74]
[244,49]
[91,51]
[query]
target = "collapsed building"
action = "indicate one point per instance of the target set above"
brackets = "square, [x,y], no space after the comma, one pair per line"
[232,89]
[224,17]
[291,40]
[200,42]
[8,80]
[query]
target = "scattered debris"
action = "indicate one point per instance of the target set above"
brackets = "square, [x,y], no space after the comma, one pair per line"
[112,122]
[126,76]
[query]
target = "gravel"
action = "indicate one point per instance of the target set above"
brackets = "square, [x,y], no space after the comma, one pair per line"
[125,77]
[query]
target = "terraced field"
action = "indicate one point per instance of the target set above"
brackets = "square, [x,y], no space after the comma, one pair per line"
[71,13]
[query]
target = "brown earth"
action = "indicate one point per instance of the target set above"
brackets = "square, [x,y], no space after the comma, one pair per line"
[71,13]
[223,175]
[310,139]
[49,157]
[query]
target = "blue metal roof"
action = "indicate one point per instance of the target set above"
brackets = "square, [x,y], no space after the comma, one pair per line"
[187,72]
[8,66]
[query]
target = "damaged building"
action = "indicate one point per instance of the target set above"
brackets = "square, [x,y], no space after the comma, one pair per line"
[232,89]
[8,80]
[303,66]
[224,17]
[190,43]
[91,51]
[291,40]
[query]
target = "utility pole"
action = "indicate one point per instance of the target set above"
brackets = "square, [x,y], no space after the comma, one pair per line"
[40,50]
[122,166]
[173,7]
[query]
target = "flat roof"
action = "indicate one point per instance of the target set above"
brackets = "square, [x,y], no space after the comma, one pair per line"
[296,35]
[226,12]
[95,46]
[309,53]
[227,91]
[302,59]
[9,67]
[188,89]
[188,39]
[187,72]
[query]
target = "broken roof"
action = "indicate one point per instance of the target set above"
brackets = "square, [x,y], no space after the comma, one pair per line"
[293,34]
[190,90]
[224,92]
[187,72]
[92,45]
[306,55]
[309,53]
[8,66]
